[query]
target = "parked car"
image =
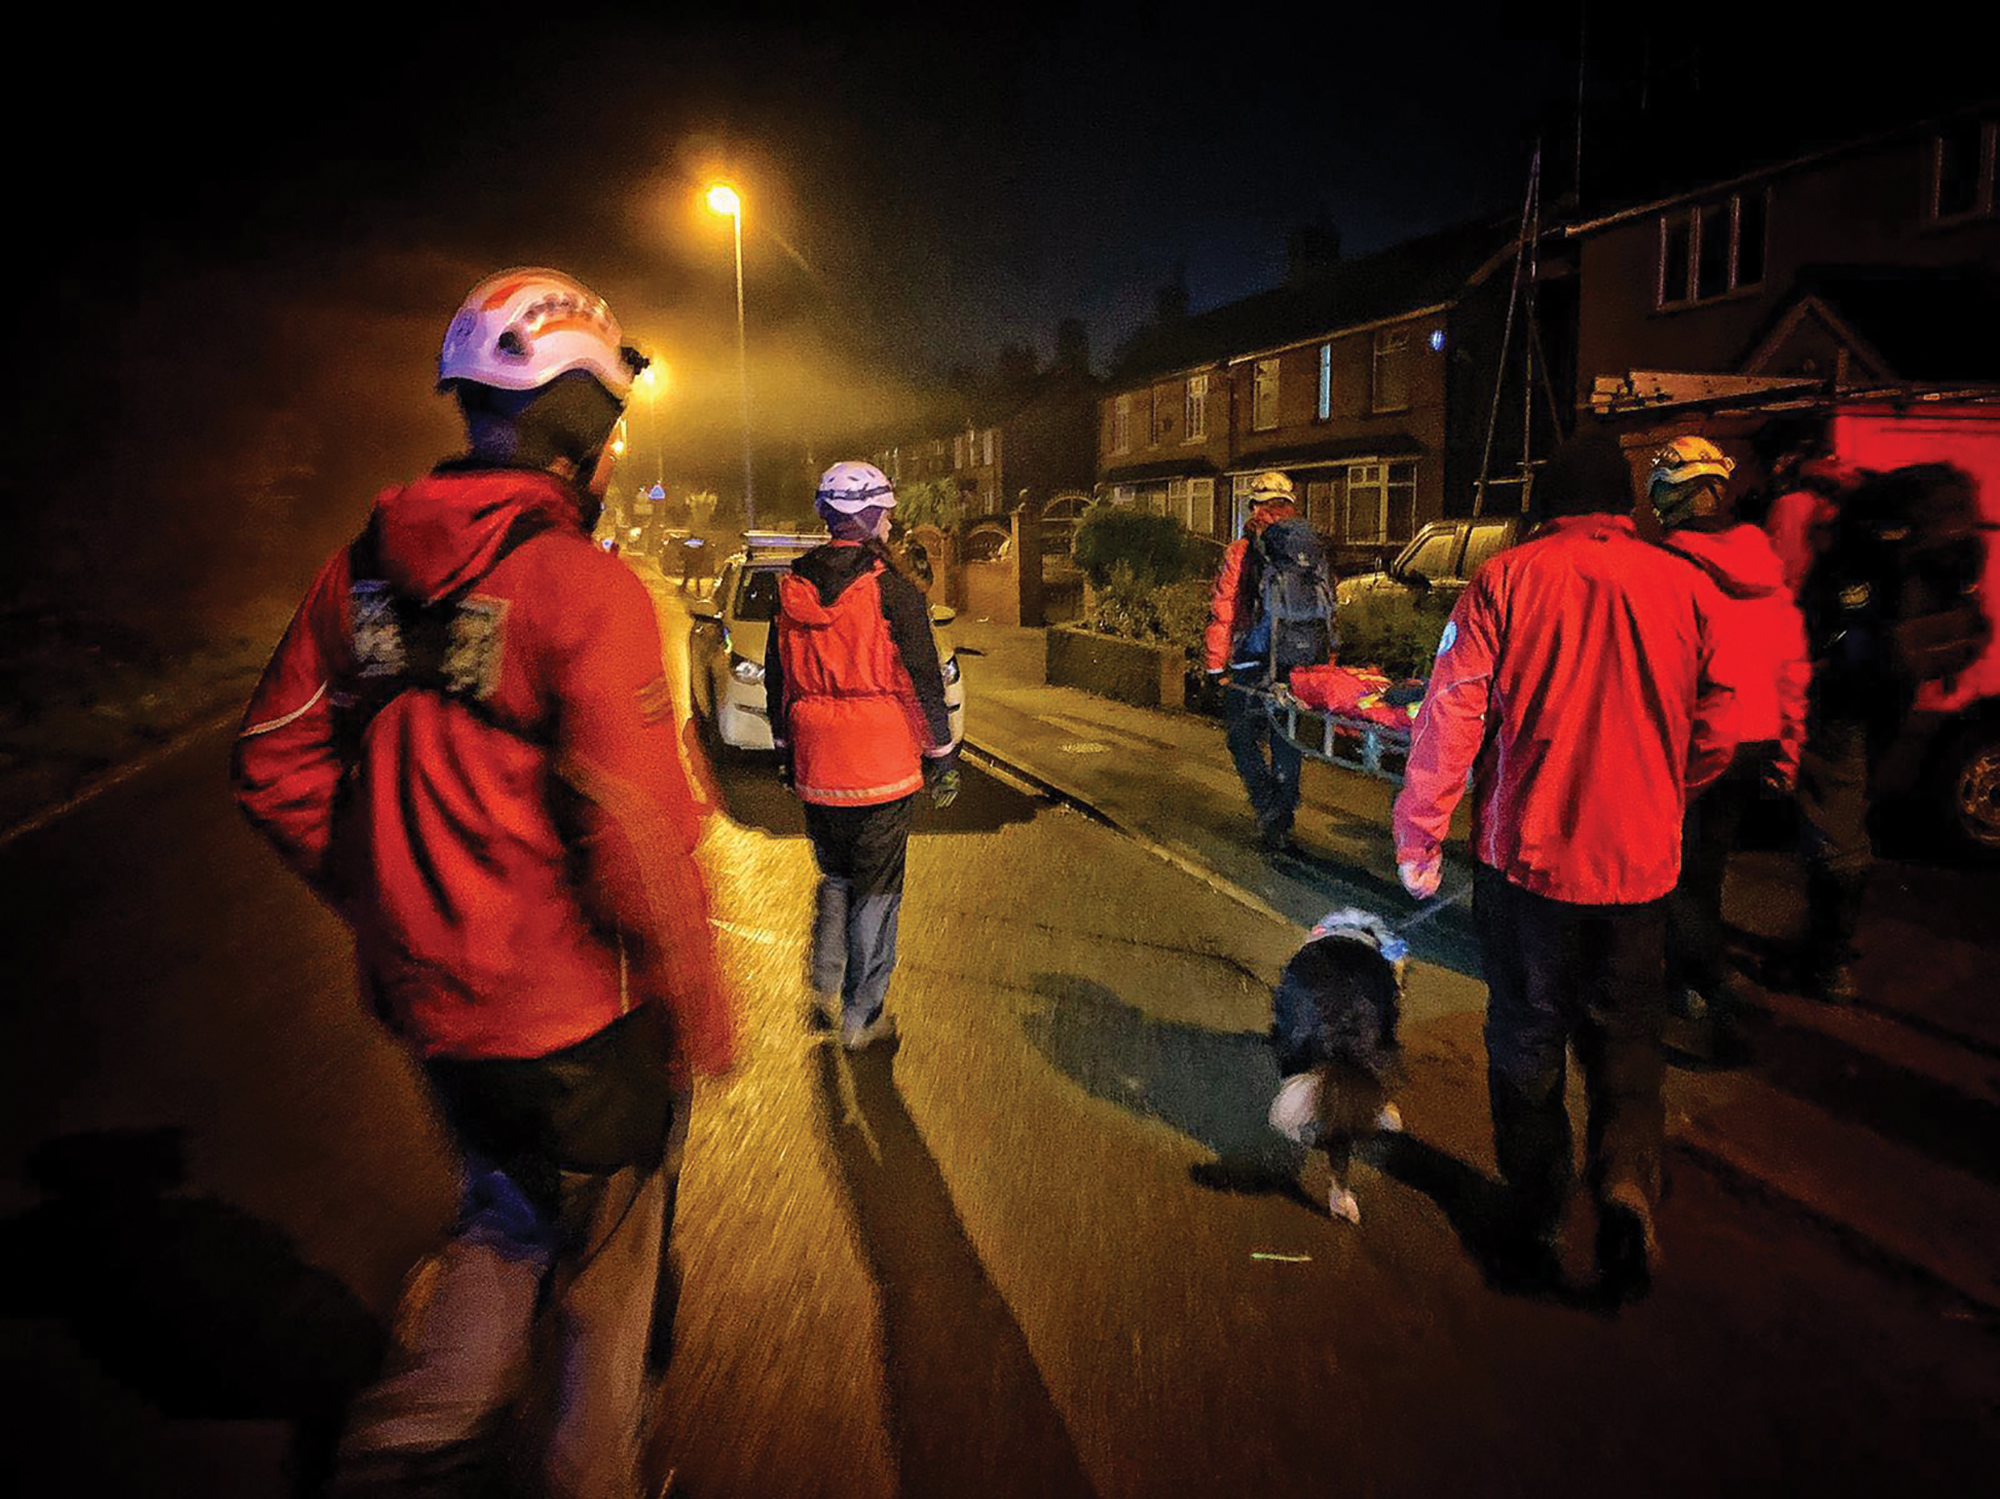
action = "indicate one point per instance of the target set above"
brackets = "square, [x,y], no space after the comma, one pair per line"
[731,626]
[1441,559]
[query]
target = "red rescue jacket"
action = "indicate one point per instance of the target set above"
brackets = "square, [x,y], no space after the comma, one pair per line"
[1572,682]
[850,712]
[515,855]
[1760,638]
[1229,613]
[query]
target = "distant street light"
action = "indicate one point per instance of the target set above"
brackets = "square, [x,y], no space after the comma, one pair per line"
[649,387]
[723,199]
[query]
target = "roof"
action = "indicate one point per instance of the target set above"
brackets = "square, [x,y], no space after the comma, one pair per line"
[1723,160]
[1940,326]
[1420,273]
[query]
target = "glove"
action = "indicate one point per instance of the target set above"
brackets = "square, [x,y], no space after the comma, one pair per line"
[941,779]
[1421,876]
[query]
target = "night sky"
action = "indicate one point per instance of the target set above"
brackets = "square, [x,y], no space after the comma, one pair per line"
[254,244]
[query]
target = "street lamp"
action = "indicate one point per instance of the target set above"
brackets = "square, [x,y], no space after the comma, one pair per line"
[649,387]
[723,199]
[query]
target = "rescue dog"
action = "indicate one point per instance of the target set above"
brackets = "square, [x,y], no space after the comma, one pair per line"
[1335,1017]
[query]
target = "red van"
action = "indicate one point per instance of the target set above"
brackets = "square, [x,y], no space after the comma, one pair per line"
[1952,750]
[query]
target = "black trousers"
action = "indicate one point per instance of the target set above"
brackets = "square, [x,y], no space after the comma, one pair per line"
[1839,854]
[1560,975]
[1710,833]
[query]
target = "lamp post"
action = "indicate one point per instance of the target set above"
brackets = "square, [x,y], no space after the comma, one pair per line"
[724,199]
[649,388]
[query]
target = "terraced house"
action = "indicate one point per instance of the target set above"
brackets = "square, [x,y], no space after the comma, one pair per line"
[1368,381]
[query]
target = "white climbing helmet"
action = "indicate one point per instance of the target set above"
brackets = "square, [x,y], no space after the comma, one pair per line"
[520,329]
[853,487]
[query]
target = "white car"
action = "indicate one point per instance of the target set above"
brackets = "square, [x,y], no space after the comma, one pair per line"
[726,646]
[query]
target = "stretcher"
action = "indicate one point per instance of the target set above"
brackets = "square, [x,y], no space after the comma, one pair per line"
[1349,740]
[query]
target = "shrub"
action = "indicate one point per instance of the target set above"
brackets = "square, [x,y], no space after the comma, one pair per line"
[930,502]
[1397,633]
[1133,608]
[1154,548]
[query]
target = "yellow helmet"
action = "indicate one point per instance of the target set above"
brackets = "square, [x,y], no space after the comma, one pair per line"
[1271,485]
[1684,460]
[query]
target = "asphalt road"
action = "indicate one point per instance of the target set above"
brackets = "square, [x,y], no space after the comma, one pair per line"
[1046,1247]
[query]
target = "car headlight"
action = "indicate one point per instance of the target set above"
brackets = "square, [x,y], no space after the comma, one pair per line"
[950,668]
[745,670]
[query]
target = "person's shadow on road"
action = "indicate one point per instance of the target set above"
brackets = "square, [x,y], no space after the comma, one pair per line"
[205,1311]
[968,1411]
[1216,1087]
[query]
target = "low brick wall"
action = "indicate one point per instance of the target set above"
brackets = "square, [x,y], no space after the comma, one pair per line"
[1149,676]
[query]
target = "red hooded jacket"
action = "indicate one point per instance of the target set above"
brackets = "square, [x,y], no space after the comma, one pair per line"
[1572,683]
[1228,619]
[1760,638]
[515,855]
[858,702]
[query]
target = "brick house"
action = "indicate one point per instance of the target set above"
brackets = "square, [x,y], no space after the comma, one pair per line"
[1345,381]
[1034,437]
[1870,267]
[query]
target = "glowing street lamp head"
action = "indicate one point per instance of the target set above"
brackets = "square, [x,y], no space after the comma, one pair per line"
[723,199]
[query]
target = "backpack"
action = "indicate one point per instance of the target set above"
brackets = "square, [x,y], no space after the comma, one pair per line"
[1908,555]
[1294,595]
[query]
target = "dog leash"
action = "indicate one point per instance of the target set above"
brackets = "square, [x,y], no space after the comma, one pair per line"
[1429,909]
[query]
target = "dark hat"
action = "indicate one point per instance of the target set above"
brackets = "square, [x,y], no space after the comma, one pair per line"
[1588,475]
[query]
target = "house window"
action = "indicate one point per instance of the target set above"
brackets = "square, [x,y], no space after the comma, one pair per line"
[1324,409]
[1239,502]
[1192,503]
[1264,395]
[1381,501]
[1123,494]
[1197,408]
[1320,500]
[1712,249]
[1392,370]
[958,452]
[1121,425]
[988,446]
[1163,414]
[1962,169]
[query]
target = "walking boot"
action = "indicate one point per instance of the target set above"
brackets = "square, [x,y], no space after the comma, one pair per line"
[1627,1251]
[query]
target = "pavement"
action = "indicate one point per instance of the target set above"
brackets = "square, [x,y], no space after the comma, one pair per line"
[1868,1120]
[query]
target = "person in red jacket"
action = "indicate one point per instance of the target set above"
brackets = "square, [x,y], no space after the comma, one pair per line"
[465,744]
[1572,684]
[1234,649]
[1760,654]
[1799,496]
[856,699]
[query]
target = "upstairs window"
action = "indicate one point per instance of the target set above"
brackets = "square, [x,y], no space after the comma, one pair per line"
[1712,249]
[1324,408]
[1962,169]
[1264,395]
[1163,415]
[1121,424]
[1392,370]
[1197,408]
[986,444]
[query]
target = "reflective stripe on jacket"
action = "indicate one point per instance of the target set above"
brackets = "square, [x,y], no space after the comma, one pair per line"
[852,720]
